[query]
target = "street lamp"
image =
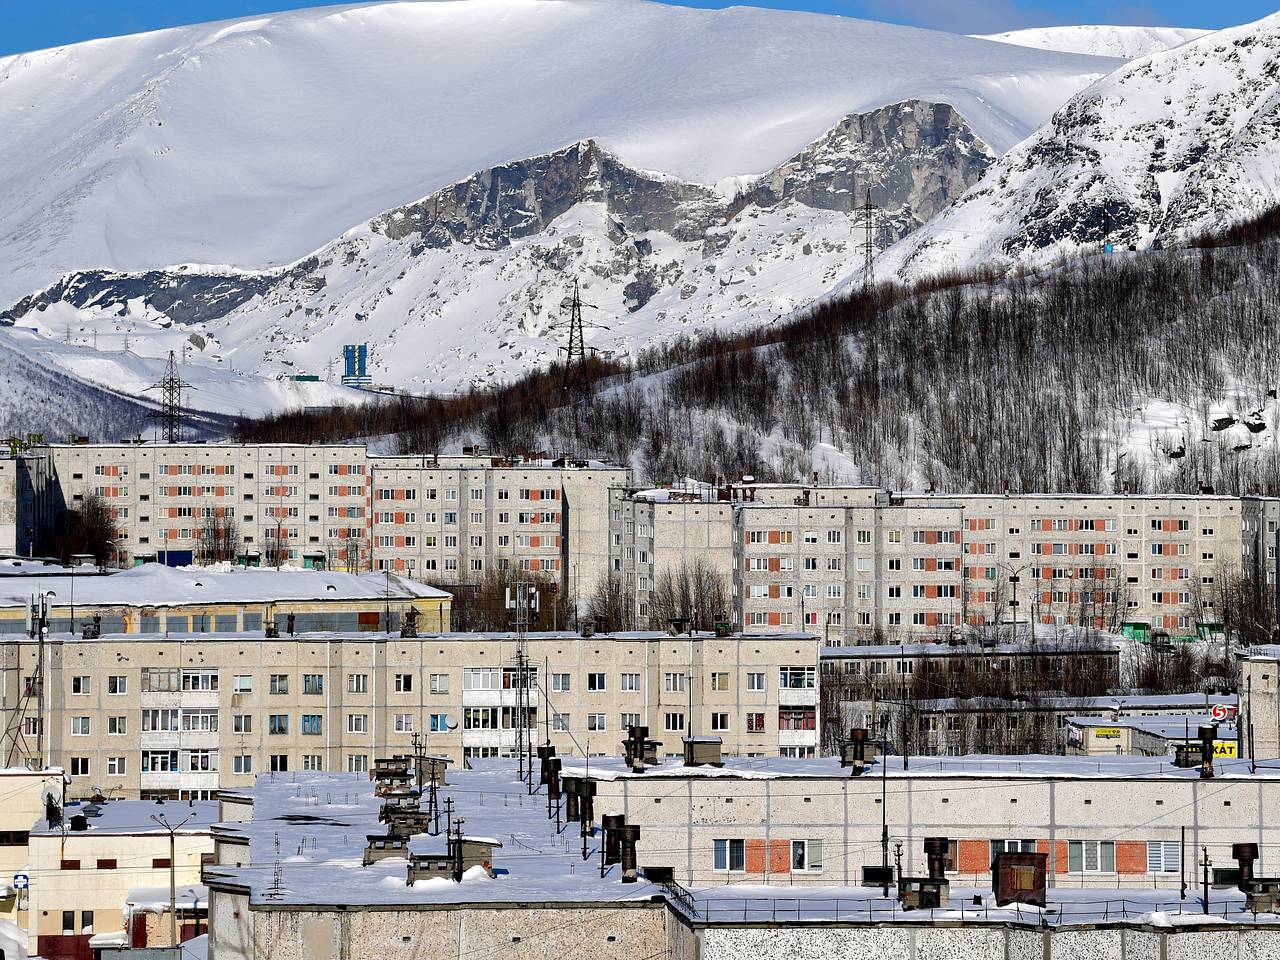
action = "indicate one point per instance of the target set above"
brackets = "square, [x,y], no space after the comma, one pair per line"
[161,819]
[1014,577]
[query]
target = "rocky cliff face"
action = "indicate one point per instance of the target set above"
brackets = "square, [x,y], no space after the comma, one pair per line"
[1176,144]
[461,286]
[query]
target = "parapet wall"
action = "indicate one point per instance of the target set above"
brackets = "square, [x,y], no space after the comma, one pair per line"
[974,942]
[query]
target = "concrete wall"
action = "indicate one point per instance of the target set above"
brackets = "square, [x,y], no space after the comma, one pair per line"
[973,942]
[586,932]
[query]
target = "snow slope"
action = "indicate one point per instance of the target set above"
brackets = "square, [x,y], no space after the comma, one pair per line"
[252,142]
[1170,146]
[1102,40]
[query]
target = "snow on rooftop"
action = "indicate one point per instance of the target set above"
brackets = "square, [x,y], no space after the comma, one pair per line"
[314,825]
[156,899]
[132,817]
[157,585]
[1104,644]
[990,766]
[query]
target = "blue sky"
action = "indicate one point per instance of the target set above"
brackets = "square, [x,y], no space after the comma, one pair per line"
[33,24]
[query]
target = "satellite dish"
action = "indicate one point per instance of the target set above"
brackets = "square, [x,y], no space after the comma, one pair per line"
[450,722]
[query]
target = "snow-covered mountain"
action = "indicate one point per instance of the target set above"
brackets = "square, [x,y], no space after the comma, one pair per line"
[1172,145]
[465,285]
[1101,40]
[250,145]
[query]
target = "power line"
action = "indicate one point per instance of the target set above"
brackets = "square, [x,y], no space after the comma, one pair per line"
[170,386]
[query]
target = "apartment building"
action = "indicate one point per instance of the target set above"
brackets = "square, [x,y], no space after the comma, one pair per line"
[858,564]
[1260,702]
[441,519]
[1153,562]
[150,716]
[24,500]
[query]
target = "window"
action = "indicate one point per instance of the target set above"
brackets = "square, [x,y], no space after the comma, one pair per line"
[243,763]
[438,723]
[806,856]
[404,723]
[79,726]
[313,683]
[629,683]
[673,682]
[80,686]
[755,723]
[595,682]
[560,722]
[312,724]
[1091,856]
[279,683]
[1012,846]
[755,681]
[200,721]
[673,722]
[116,766]
[404,683]
[1164,856]
[720,682]
[200,761]
[481,678]
[206,680]
[358,763]
[439,683]
[312,761]
[242,723]
[117,686]
[242,683]
[595,721]
[561,683]
[730,855]
[797,678]
[626,720]
[357,723]
[278,763]
[357,683]
[278,723]
[719,722]
[480,718]
[116,726]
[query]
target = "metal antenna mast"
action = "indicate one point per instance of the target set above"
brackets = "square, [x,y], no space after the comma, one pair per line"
[575,361]
[170,387]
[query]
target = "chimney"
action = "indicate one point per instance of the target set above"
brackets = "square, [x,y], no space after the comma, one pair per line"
[853,753]
[636,746]
[935,849]
[569,784]
[553,780]
[545,753]
[630,837]
[612,824]
[1208,734]
[1245,854]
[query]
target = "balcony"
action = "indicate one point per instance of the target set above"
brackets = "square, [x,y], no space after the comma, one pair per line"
[797,738]
[798,697]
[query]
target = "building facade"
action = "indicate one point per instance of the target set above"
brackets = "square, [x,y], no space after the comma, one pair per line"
[149,716]
[448,519]
[862,565]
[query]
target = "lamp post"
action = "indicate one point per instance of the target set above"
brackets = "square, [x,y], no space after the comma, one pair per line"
[1014,577]
[172,829]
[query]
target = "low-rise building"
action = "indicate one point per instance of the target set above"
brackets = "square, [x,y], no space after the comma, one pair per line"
[1260,701]
[86,862]
[155,600]
[1147,736]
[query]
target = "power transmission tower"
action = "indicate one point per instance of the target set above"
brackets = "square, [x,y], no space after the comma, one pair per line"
[522,601]
[170,415]
[868,245]
[573,385]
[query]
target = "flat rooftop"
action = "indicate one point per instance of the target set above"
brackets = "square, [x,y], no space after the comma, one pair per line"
[156,585]
[133,818]
[1103,645]
[349,636]
[313,826]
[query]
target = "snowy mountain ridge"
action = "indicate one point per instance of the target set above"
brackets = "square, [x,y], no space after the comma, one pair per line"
[1101,40]
[464,286]
[1170,146]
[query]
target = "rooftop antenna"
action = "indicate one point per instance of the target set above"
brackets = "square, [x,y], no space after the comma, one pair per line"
[170,415]
[573,385]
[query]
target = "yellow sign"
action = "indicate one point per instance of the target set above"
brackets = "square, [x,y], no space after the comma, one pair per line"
[1106,733]
[1224,748]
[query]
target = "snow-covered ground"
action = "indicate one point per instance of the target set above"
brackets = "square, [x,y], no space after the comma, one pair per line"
[252,142]
[1100,40]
